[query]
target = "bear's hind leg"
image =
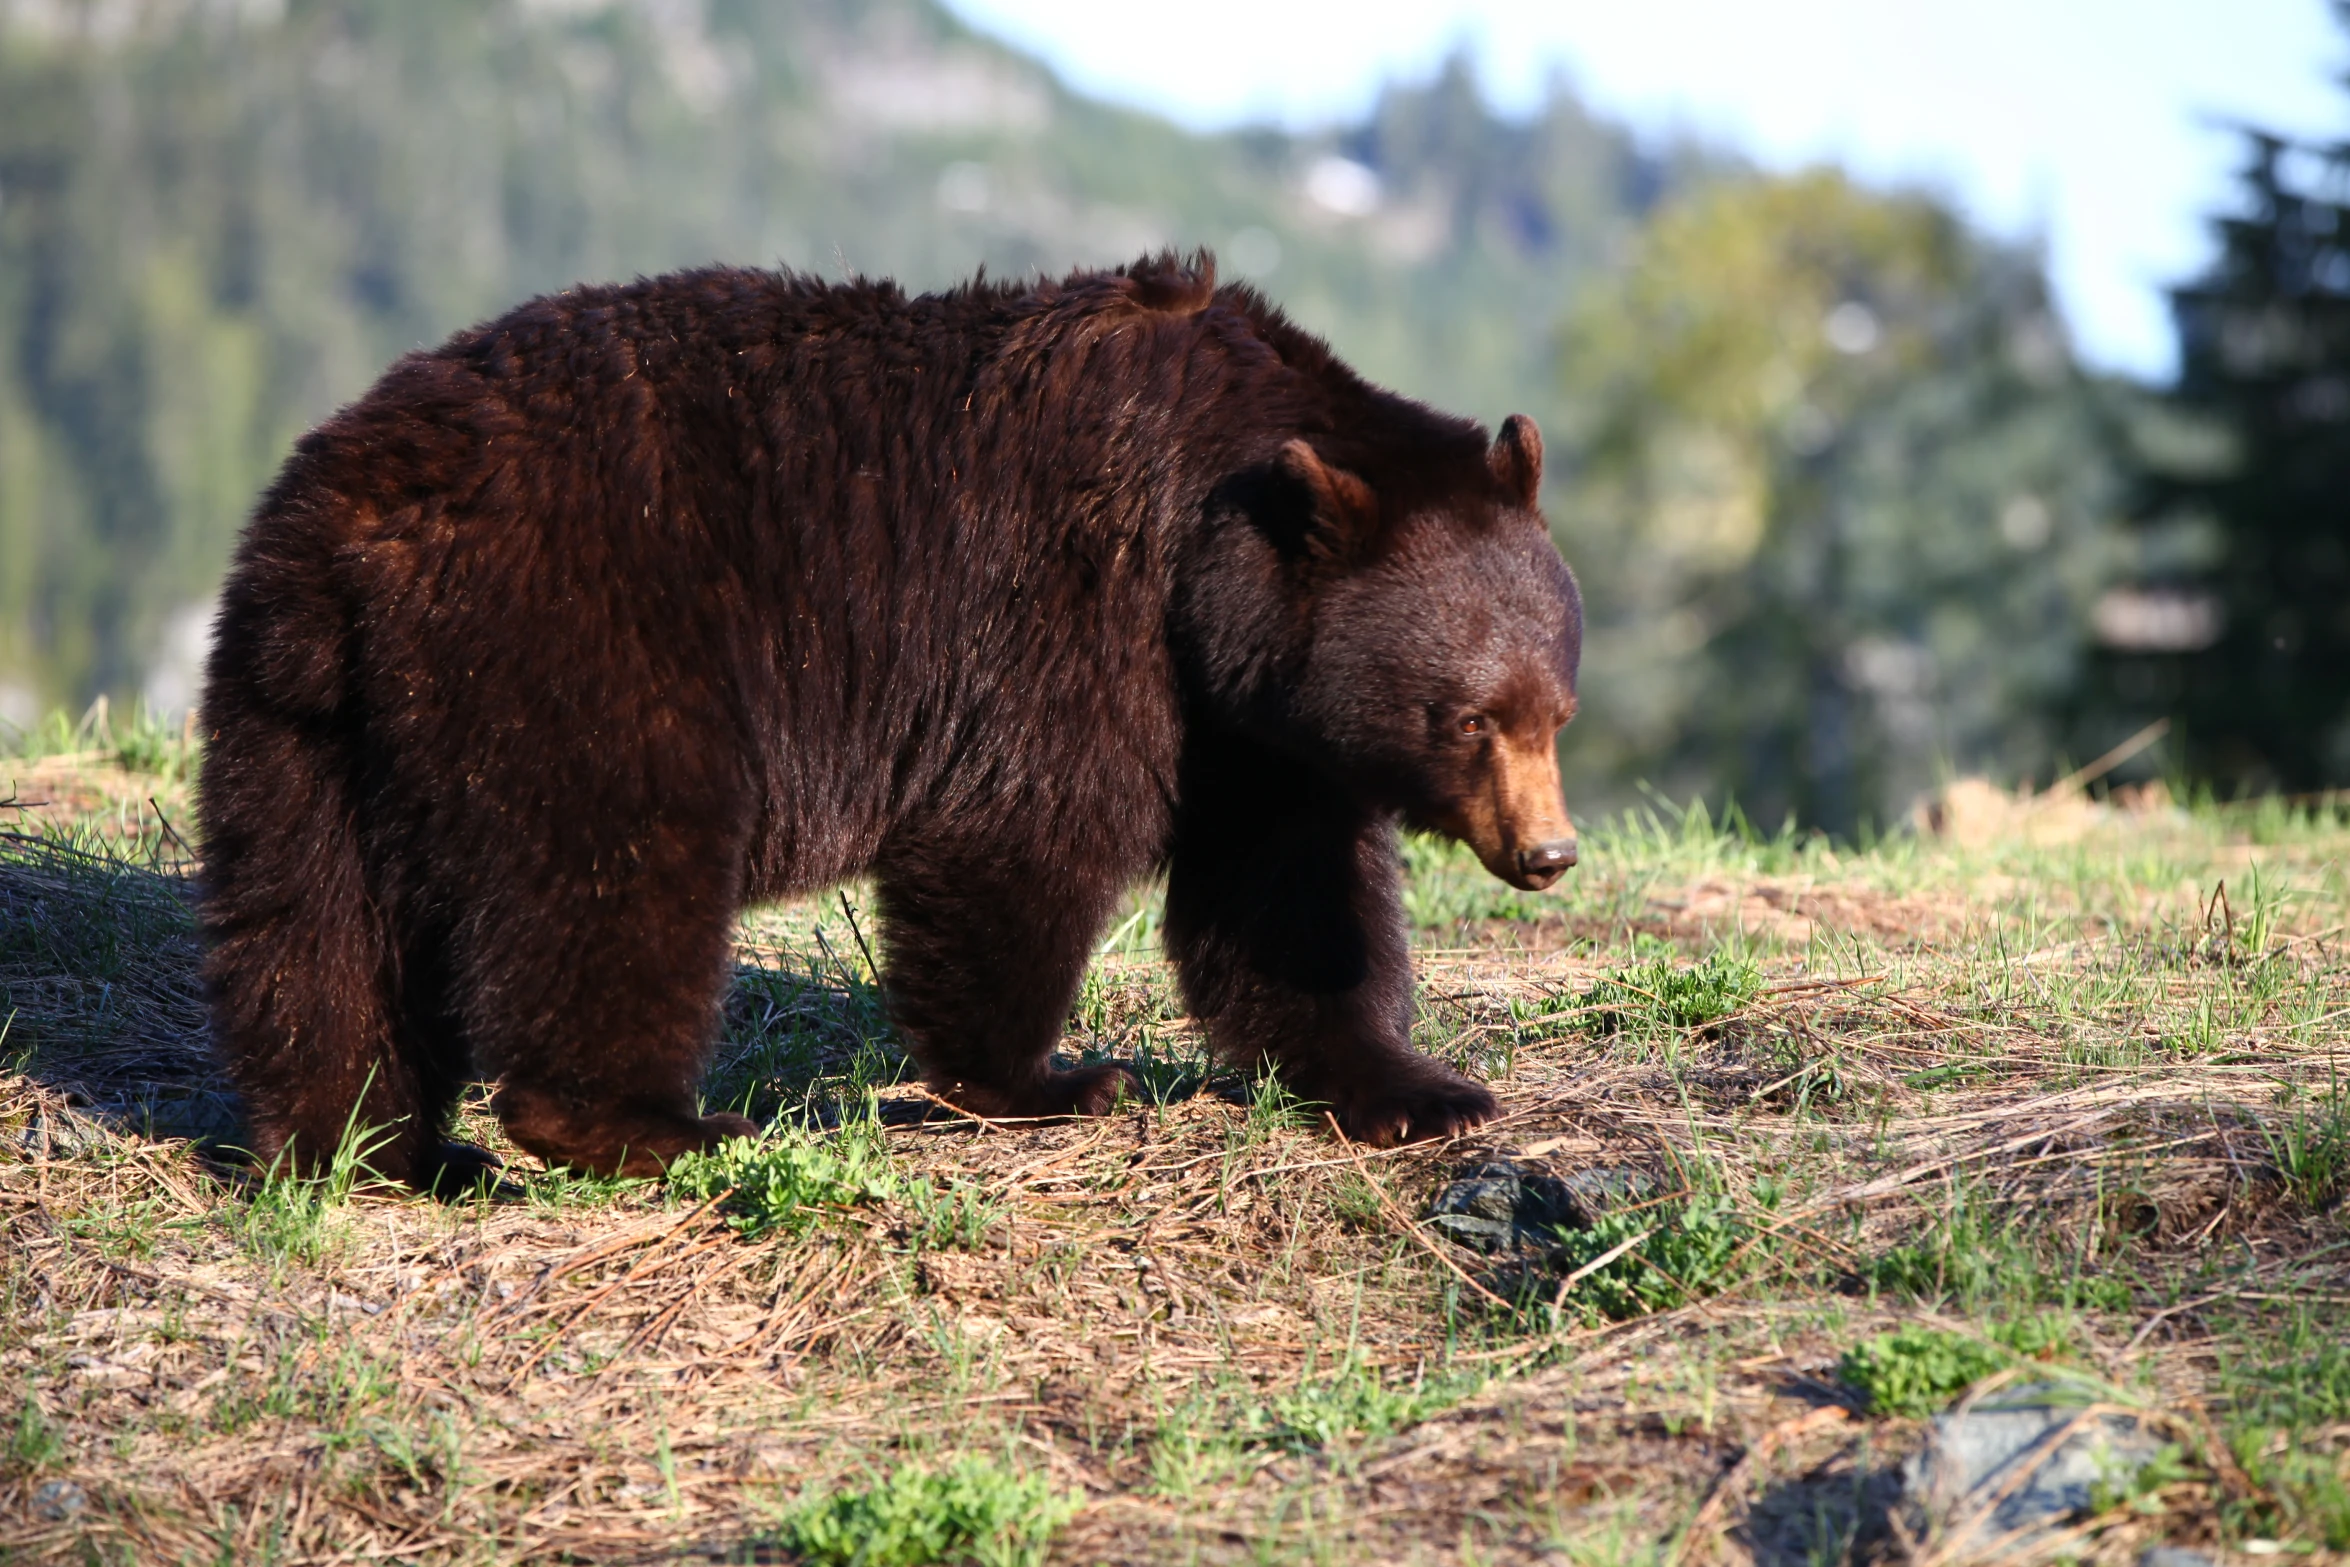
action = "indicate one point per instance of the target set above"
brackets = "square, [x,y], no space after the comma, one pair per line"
[431,1040]
[295,967]
[984,962]
[596,1014]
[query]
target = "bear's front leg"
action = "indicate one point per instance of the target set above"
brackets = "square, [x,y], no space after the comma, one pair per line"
[984,960]
[1286,926]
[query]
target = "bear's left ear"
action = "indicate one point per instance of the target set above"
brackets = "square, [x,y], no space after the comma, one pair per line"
[1516,458]
[1344,511]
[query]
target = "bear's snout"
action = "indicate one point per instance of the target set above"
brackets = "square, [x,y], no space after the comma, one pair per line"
[1515,816]
[1541,864]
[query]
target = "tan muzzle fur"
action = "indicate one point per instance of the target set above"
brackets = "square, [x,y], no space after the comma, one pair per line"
[1518,825]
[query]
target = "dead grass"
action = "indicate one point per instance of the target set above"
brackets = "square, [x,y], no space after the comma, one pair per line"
[1978,1081]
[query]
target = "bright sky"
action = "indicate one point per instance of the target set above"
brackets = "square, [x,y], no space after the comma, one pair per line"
[2087,123]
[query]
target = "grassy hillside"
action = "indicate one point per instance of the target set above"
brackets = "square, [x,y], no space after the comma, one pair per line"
[2060,1091]
[219,221]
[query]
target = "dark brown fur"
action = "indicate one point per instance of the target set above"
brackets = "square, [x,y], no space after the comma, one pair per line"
[600,621]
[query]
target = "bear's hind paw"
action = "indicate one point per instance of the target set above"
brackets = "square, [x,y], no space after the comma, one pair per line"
[1082,1090]
[458,1169]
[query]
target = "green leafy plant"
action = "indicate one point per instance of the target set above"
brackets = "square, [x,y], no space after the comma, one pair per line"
[973,1510]
[789,1179]
[1912,1372]
[1646,1260]
[1658,997]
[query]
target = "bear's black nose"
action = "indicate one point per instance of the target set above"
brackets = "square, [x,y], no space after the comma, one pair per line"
[1547,859]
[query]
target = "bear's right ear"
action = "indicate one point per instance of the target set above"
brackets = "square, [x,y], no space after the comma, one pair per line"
[1516,459]
[1341,510]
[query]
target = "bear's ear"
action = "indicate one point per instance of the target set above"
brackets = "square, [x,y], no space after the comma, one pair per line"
[1342,511]
[1171,283]
[1516,458]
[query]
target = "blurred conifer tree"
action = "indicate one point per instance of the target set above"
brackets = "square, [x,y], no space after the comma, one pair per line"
[2247,539]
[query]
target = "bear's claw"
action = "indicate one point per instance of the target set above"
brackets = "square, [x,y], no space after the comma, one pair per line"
[1426,1102]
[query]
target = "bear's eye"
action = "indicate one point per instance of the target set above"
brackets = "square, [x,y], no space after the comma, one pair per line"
[1473,724]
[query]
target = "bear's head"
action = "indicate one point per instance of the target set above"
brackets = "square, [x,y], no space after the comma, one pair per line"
[1444,640]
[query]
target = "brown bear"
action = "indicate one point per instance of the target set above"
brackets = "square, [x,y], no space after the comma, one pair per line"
[595,624]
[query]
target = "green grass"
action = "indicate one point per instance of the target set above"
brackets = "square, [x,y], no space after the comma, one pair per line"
[1354,1403]
[954,1216]
[1915,1371]
[1446,888]
[2285,1389]
[143,743]
[2310,1146]
[296,1220]
[1217,1434]
[1661,999]
[1980,1254]
[972,1509]
[33,1443]
[1914,1110]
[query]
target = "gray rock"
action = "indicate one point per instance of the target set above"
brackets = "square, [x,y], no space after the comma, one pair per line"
[1500,1207]
[1493,1198]
[2173,1556]
[1475,1233]
[1597,1192]
[1481,1212]
[2007,1471]
[55,1501]
[48,1136]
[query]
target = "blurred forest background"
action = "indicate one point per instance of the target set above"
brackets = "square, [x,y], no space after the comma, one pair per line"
[1849,515]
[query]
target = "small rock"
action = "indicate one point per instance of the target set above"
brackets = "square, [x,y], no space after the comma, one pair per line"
[2173,1556]
[2010,1444]
[56,1137]
[1597,1192]
[55,1501]
[1500,1207]
[1480,1212]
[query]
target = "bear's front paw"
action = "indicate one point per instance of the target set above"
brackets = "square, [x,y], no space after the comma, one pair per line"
[1415,1100]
